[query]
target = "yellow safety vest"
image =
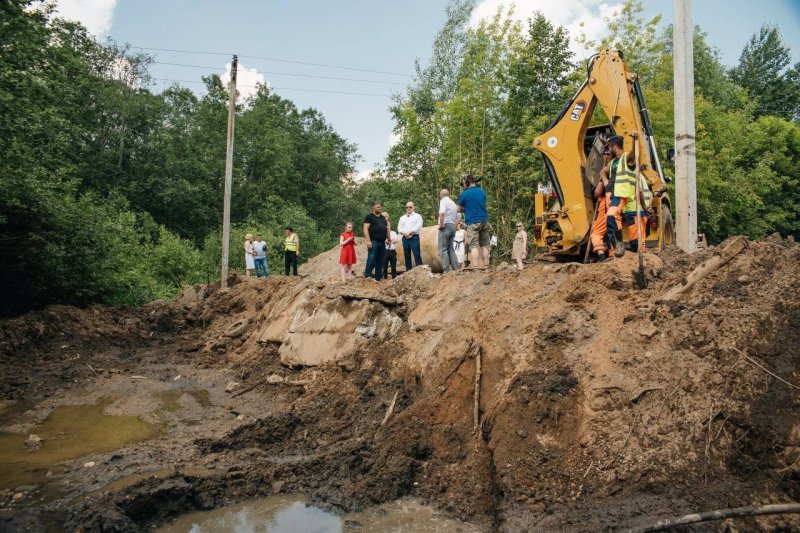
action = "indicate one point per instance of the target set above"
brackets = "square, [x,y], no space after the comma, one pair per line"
[630,207]
[290,243]
[624,179]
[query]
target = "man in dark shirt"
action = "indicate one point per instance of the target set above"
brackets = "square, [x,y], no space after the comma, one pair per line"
[376,232]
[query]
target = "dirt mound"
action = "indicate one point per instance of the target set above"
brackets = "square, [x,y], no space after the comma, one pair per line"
[558,397]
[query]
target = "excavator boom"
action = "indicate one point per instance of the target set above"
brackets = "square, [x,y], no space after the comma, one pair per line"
[572,153]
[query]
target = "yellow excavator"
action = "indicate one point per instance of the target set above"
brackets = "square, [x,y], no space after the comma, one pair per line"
[573,158]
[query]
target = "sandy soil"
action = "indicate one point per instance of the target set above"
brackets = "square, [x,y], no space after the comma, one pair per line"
[596,407]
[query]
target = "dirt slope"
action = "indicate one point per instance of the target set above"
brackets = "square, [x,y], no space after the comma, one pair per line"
[598,408]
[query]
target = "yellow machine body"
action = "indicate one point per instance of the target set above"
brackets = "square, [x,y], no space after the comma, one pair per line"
[571,150]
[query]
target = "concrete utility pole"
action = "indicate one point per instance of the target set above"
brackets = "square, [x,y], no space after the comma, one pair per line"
[226,206]
[685,154]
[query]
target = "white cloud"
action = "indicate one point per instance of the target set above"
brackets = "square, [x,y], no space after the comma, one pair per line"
[96,15]
[246,80]
[394,138]
[577,16]
[364,175]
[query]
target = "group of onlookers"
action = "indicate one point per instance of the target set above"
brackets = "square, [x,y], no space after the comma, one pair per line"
[464,239]
[460,243]
[255,254]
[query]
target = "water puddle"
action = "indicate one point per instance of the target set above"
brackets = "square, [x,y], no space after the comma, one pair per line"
[291,514]
[67,433]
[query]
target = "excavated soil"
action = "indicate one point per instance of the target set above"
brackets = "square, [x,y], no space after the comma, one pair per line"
[558,398]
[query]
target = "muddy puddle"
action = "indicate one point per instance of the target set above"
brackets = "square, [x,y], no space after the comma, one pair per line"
[292,514]
[68,432]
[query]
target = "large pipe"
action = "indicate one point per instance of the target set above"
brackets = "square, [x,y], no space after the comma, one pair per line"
[429,246]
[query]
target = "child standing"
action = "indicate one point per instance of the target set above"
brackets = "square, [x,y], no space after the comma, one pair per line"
[519,251]
[459,244]
[347,257]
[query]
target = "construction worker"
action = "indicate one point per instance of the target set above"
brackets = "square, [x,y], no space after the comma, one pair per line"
[599,224]
[629,214]
[291,250]
[621,175]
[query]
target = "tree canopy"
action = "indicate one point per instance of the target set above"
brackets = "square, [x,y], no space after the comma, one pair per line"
[513,78]
[111,192]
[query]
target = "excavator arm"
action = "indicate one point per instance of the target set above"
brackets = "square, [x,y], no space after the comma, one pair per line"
[564,217]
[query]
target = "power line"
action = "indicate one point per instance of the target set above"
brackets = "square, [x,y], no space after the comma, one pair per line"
[282,88]
[202,52]
[286,74]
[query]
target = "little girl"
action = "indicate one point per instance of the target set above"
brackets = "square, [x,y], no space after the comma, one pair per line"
[347,258]
[519,250]
[458,243]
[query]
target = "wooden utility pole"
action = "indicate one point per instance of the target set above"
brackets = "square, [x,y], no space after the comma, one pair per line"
[685,153]
[226,206]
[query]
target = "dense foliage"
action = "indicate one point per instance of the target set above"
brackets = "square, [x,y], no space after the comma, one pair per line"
[111,193]
[491,88]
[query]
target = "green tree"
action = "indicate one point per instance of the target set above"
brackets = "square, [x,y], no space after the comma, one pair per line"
[107,189]
[762,71]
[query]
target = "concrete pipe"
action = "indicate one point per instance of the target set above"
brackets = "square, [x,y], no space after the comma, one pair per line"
[429,246]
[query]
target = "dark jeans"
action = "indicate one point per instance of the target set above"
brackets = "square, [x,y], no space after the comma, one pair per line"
[447,253]
[410,245]
[613,233]
[391,261]
[376,256]
[290,260]
[261,267]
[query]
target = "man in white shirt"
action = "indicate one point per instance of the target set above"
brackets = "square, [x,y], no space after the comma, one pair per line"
[447,231]
[409,227]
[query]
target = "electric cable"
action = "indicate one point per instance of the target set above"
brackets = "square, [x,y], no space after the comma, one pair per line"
[283,88]
[294,62]
[285,74]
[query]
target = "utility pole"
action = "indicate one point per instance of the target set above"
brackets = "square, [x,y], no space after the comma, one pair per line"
[685,153]
[226,206]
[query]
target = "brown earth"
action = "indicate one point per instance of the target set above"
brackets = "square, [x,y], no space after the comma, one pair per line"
[598,407]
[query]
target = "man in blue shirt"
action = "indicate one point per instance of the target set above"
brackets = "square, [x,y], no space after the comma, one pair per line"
[472,202]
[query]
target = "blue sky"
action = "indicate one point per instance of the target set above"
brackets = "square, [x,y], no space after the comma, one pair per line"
[374,35]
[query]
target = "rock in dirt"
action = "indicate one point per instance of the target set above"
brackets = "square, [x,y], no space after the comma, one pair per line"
[90,464]
[648,331]
[33,441]
[237,329]
[273,379]
[232,386]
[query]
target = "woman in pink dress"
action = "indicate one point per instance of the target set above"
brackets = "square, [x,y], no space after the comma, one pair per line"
[347,257]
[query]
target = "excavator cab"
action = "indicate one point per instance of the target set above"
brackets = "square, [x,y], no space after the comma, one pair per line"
[573,158]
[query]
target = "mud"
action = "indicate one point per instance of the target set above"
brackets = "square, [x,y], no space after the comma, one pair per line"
[598,407]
